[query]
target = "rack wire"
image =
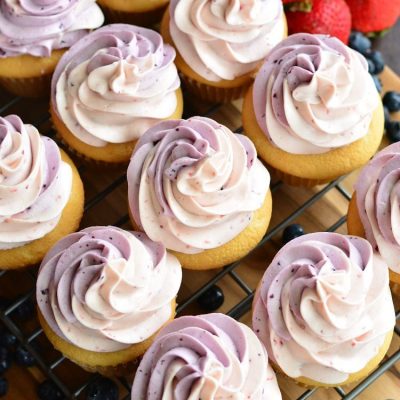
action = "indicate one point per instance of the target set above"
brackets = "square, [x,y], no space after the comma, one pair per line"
[50,368]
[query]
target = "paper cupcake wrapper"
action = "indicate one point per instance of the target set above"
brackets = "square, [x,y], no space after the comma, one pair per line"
[296,180]
[148,18]
[214,94]
[28,87]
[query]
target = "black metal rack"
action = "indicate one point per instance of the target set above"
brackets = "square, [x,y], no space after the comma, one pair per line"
[242,307]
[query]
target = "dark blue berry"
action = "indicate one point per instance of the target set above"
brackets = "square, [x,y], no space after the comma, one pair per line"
[25,310]
[3,387]
[5,360]
[102,389]
[376,57]
[292,232]
[359,42]
[4,302]
[371,66]
[392,101]
[211,299]
[378,83]
[7,339]
[393,131]
[48,390]
[386,113]
[23,357]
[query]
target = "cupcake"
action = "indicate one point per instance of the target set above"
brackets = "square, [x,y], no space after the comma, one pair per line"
[374,208]
[220,44]
[110,87]
[34,35]
[41,194]
[199,189]
[103,293]
[313,112]
[324,310]
[206,357]
[136,12]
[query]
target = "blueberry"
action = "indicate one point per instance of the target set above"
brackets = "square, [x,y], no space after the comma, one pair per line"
[378,83]
[392,101]
[3,387]
[292,232]
[25,310]
[386,114]
[371,66]
[5,360]
[23,357]
[211,299]
[376,57]
[7,339]
[359,42]
[102,389]
[48,390]
[4,302]
[393,131]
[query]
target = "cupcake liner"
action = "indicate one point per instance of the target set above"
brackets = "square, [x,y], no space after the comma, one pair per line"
[296,180]
[214,94]
[147,18]
[28,87]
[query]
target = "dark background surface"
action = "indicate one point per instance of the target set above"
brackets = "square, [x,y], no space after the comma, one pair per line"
[389,45]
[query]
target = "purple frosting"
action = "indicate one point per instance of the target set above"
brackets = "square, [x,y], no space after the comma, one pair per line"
[37,27]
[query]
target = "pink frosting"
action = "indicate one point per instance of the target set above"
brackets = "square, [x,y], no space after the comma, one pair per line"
[314,94]
[224,39]
[104,289]
[207,357]
[188,178]
[378,203]
[35,184]
[324,308]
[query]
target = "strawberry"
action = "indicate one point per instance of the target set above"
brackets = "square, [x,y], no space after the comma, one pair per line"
[330,17]
[374,15]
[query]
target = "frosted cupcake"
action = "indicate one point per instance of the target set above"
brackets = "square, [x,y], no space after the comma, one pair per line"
[313,112]
[324,310]
[33,36]
[103,293]
[111,87]
[199,189]
[220,44]
[206,357]
[374,208]
[41,194]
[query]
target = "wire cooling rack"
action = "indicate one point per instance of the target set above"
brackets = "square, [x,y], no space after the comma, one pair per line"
[110,195]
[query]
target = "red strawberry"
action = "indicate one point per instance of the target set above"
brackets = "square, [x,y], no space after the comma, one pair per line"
[374,15]
[330,17]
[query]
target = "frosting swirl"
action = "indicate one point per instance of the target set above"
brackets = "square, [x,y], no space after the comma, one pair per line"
[114,84]
[324,308]
[225,39]
[35,184]
[205,357]
[378,203]
[188,178]
[37,27]
[314,94]
[103,289]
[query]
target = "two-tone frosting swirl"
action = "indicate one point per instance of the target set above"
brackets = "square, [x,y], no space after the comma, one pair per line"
[114,84]
[37,27]
[35,184]
[314,94]
[378,203]
[225,39]
[324,308]
[103,288]
[205,357]
[188,178]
